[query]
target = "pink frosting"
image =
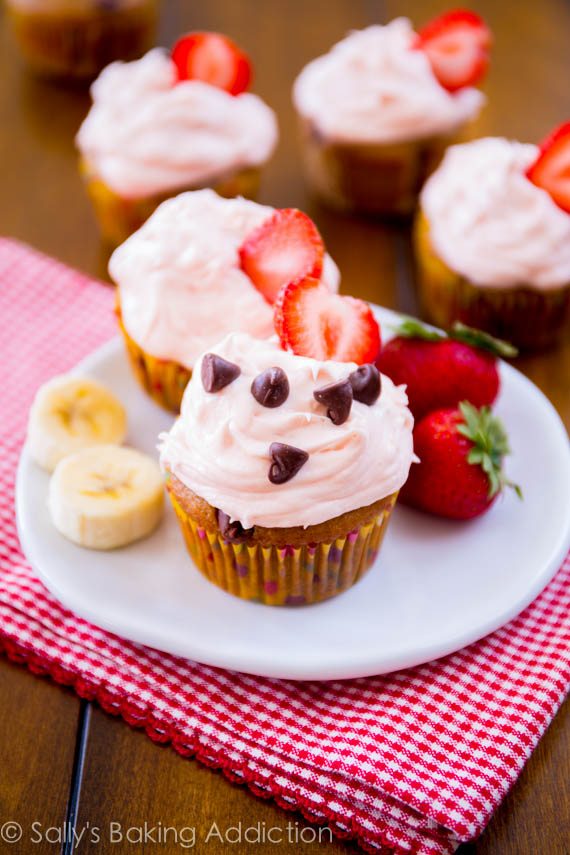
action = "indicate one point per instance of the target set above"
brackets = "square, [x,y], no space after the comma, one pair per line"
[219,447]
[181,286]
[374,87]
[148,134]
[490,223]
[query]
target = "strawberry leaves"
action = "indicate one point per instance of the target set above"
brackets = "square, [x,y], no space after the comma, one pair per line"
[490,445]
[482,340]
[413,328]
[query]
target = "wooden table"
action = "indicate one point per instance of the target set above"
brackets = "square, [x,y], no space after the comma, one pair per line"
[62,759]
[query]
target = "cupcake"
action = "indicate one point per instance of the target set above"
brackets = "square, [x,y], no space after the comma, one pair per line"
[169,123]
[378,110]
[77,38]
[492,245]
[283,470]
[199,268]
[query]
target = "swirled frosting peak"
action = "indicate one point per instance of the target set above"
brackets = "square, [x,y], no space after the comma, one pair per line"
[374,86]
[489,223]
[146,133]
[181,286]
[220,445]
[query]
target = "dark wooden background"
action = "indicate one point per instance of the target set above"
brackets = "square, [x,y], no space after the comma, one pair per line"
[60,757]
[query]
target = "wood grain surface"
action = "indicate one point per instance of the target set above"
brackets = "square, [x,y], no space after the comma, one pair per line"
[38,729]
[126,778]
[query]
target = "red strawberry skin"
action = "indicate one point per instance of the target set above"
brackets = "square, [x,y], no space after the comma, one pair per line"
[440,374]
[457,45]
[551,169]
[212,58]
[312,321]
[444,483]
[285,247]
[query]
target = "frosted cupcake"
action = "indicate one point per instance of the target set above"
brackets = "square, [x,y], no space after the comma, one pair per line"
[77,38]
[283,470]
[169,123]
[378,110]
[198,269]
[492,246]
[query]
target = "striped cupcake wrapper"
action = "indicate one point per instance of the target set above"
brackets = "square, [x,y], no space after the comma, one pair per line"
[162,379]
[529,318]
[284,575]
[119,217]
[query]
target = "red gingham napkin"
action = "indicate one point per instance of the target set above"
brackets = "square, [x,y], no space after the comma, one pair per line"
[413,762]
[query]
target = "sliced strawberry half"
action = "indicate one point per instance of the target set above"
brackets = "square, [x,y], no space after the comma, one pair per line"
[551,169]
[285,247]
[457,46]
[312,321]
[214,59]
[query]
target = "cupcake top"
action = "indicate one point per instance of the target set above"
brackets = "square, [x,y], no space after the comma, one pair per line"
[148,132]
[492,225]
[374,86]
[181,286]
[285,462]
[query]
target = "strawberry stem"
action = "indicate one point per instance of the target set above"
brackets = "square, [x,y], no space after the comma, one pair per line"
[482,340]
[413,328]
[490,445]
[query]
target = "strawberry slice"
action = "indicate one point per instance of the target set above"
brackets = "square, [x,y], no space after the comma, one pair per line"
[551,169]
[312,321]
[457,46]
[214,59]
[285,247]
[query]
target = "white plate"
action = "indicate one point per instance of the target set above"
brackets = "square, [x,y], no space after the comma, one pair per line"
[438,585]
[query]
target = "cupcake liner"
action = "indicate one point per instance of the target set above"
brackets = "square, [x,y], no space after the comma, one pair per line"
[119,217]
[162,379]
[78,43]
[372,178]
[529,318]
[284,575]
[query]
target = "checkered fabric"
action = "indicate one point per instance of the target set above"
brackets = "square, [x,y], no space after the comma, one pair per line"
[409,762]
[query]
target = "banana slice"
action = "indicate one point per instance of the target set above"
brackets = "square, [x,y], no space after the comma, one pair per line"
[106,496]
[70,413]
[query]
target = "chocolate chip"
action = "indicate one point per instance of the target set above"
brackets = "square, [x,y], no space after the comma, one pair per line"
[337,398]
[286,460]
[271,387]
[233,532]
[366,384]
[217,372]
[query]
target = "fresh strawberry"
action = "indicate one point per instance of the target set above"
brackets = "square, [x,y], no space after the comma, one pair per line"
[551,169]
[212,58]
[285,247]
[441,370]
[457,46]
[312,321]
[461,455]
